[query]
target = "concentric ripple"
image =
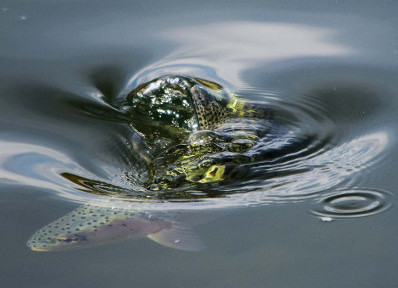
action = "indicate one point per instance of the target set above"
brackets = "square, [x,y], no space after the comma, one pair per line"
[303,152]
[352,203]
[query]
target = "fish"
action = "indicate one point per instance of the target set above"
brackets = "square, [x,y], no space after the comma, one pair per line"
[199,131]
[94,225]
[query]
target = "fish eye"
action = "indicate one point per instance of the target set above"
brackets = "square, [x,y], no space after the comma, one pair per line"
[73,238]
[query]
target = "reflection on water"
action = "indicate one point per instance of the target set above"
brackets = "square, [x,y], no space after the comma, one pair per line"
[303,153]
[65,127]
[298,154]
[309,175]
[239,46]
[328,69]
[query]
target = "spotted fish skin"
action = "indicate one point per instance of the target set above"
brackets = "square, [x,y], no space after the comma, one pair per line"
[91,225]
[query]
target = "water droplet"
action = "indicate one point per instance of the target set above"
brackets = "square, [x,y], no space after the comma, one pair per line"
[351,203]
[326,219]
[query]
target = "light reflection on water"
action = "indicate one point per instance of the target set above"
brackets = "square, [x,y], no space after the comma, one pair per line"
[314,168]
[233,47]
[66,66]
[222,51]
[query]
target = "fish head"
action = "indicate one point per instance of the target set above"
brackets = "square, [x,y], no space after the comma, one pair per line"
[89,226]
[61,242]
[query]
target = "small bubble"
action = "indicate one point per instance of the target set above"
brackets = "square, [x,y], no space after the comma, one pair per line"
[23,18]
[177,241]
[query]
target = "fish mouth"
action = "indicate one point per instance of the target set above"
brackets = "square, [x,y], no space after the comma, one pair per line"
[40,249]
[49,248]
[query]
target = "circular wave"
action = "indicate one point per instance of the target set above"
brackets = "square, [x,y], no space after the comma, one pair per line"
[304,152]
[352,203]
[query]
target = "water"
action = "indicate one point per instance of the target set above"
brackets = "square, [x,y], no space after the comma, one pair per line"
[320,215]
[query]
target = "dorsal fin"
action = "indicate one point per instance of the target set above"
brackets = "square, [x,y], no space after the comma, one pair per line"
[209,109]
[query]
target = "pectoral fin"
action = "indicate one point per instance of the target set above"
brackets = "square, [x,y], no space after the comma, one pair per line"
[178,237]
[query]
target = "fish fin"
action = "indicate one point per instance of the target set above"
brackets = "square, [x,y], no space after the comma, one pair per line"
[178,237]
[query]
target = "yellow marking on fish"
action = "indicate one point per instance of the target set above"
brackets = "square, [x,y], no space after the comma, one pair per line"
[214,173]
[238,107]
[209,84]
[63,238]
[39,249]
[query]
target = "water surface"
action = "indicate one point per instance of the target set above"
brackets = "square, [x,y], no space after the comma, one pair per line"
[322,214]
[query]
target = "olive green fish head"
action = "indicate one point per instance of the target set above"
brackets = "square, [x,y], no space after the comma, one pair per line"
[169,108]
[89,226]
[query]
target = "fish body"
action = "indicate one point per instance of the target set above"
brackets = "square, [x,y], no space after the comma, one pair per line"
[93,225]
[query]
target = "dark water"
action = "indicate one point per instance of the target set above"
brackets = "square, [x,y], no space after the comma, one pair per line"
[321,216]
